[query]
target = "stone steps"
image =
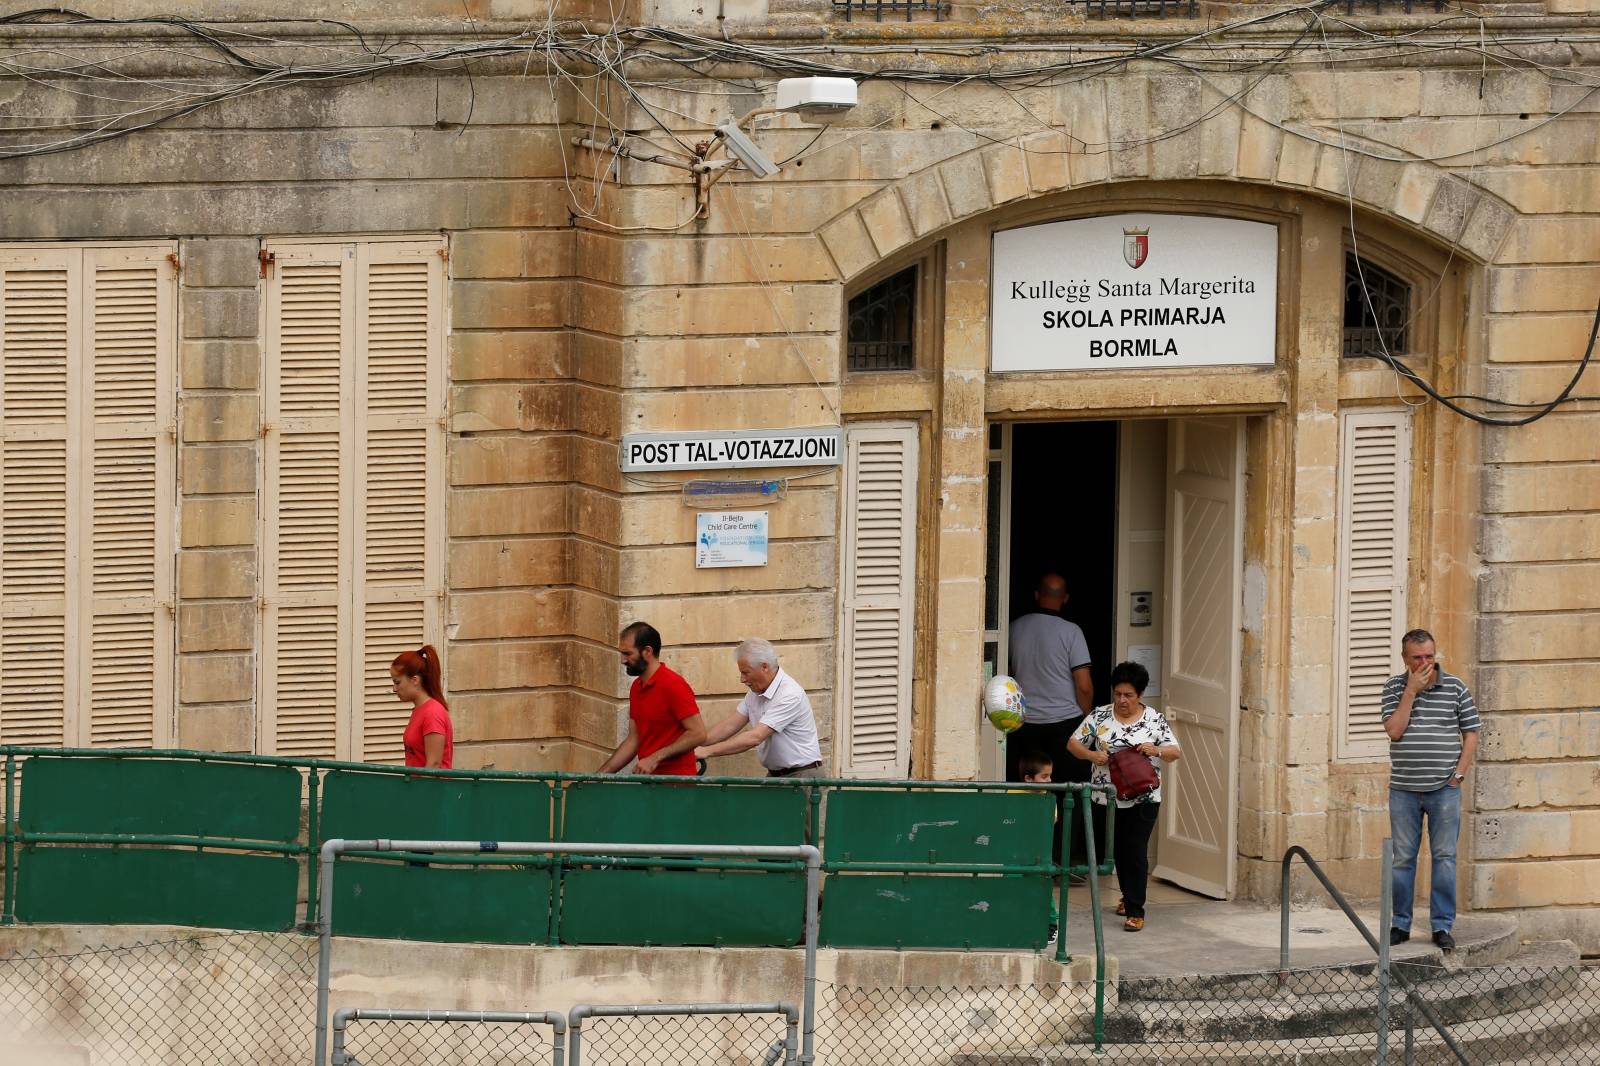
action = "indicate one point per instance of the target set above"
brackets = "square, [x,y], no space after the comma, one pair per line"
[1557,1031]
[1417,961]
[1331,1004]
[1538,1007]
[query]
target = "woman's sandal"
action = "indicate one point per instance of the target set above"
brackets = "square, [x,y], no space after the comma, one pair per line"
[1122,906]
[1133,925]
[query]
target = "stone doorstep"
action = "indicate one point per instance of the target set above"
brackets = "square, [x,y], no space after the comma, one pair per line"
[1561,1030]
[1535,974]
[1479,946]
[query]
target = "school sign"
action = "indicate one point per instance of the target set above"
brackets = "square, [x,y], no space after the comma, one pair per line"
[1144,289]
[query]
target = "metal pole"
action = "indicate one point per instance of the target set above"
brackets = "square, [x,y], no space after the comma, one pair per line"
[1283,921]
[332,849]
[1385,918]
[808,994]
[1069,806]
[1411,1031]
[313,831]
[1094,909]
[340,1021]
[8,911]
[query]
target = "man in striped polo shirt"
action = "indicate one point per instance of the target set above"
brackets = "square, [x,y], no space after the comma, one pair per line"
[1433,732]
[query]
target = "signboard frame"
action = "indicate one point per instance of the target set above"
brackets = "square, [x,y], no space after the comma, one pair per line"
[1135,290]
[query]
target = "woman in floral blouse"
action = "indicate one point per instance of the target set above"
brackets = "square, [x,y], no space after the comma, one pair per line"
[1127,723]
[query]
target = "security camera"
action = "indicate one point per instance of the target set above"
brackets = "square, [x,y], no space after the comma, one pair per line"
[742,148]
[812,98]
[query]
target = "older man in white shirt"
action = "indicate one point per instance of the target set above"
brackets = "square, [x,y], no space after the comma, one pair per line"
[774,718]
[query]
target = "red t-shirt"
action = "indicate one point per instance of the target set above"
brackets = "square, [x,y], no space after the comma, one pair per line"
[658,708]
[430,717]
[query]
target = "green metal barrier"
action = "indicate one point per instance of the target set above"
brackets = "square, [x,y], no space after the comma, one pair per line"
[682,902]
[639,810]
[216,840]
[505,903]
[106,840]
[429,899]
[365,805]
[939,869]
[161,798]
[119,885]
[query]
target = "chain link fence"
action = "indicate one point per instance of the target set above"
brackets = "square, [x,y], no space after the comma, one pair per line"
[446,1038]
[684,1035]
[248,998]
[202,999]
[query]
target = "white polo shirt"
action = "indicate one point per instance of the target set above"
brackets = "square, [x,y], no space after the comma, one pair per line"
[784,709]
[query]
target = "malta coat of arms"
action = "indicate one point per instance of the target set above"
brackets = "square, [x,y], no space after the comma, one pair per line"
[1135,246]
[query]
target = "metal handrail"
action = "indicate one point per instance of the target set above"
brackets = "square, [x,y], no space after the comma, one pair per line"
[1412,994]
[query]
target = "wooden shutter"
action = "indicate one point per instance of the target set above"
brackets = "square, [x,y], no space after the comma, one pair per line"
[879,570]
[353,556]
[38,339]
[305,565]
[399,498]
[87,454]
[125,632]
[1374,502]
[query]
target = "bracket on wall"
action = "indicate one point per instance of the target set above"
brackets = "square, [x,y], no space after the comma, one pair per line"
[267,259]
[704,171]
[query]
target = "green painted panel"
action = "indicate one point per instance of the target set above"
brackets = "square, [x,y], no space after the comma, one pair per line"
[683,907]
[989,828]
[362,806]
[161,797]
[156,886]
[631,811]
[919,911]
[478,904]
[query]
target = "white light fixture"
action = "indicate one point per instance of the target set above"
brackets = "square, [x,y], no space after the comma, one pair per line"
[814,98]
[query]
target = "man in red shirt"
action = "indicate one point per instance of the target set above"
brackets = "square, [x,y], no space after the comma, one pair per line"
[664,725]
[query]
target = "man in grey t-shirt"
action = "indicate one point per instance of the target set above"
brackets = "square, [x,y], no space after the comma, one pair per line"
[1433,727]
[1050,662]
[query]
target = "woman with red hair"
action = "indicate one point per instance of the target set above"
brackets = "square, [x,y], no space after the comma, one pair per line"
[428,737]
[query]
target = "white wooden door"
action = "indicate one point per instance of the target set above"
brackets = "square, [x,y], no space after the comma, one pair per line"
[1200,697]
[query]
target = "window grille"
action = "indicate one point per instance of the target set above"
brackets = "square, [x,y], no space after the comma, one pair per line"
[1140,9]
[881,10]
[1374,321]
[883,325]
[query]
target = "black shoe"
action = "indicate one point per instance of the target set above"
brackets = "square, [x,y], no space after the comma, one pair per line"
[1398,936]
[1050,941]
[1444,941]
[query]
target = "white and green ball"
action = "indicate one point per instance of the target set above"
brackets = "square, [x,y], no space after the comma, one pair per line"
[1003,703]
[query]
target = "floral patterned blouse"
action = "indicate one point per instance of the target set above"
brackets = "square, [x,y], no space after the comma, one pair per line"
[1100,731]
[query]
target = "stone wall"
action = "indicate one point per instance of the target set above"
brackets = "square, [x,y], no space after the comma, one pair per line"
[863,1017]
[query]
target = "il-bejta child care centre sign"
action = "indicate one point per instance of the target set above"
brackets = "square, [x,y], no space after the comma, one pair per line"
[1131,290]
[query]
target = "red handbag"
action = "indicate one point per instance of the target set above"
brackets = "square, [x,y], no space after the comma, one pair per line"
[1133,774]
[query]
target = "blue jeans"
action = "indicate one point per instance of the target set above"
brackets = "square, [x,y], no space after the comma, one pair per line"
[1442,807]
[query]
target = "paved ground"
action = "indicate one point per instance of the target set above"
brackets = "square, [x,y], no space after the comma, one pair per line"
[1189,934]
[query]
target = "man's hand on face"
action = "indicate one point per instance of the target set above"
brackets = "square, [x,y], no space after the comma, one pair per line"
[1420,679]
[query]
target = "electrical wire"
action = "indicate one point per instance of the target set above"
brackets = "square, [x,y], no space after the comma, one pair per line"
[1449,401]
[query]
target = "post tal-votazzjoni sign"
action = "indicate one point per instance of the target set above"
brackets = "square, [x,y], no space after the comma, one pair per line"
[732,449]
[1144,289]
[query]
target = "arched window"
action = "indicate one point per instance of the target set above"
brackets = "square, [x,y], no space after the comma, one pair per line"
[1377,309]
[883,325]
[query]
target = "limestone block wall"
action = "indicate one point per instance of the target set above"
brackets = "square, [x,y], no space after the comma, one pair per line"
[395,155]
